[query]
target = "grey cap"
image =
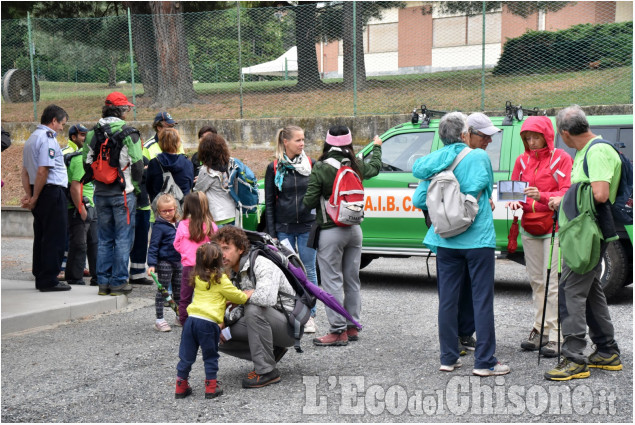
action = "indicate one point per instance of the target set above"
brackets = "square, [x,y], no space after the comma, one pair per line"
[481,122]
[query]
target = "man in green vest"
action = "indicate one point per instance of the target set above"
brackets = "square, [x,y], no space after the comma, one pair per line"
[582,302]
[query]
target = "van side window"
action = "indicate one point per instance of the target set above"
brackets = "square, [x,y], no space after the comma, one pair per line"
[612,134]
[400,152]
[494,150]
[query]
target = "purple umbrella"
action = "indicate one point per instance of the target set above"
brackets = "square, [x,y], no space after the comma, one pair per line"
[329,300]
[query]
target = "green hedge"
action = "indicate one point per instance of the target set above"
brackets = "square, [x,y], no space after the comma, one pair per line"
[572,49]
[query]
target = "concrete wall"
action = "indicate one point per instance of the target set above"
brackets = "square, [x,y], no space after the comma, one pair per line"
[17,222]
[259,133]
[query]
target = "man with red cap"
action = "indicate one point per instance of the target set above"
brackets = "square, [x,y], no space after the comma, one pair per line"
[115,201]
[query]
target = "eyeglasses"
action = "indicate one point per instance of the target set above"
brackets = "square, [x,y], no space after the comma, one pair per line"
[479,134]
[167,211]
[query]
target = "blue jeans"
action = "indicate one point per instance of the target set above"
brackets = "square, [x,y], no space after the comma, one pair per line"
[456,267]
[199,333]
[307,255]
[115,238]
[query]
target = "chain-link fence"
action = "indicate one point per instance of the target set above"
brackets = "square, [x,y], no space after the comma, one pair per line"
[323,59]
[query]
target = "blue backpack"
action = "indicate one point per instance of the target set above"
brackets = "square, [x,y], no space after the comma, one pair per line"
[243,186]
[622,208]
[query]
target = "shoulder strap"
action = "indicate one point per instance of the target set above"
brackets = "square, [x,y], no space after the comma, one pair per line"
[333,163]
[585,164]
[69,156]
[459,158]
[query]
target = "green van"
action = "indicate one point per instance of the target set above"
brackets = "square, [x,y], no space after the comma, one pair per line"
[393,227]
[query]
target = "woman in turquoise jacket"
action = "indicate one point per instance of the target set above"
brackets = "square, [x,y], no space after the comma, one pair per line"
[468,256]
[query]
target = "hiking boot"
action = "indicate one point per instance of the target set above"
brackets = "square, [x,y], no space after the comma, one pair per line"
[567,370]
[162,326]
[103,290]
[279,352]
[468,342]
[550,349]
[532,342]
[497,369]
[183,388]
[331,339]
[605,361]
[310,327]
[450,368]
[124,289]
[253,380]
[212,388]
[352,333]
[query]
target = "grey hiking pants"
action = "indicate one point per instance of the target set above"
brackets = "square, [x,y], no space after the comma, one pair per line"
[254,336]
[339,255]
[582,303]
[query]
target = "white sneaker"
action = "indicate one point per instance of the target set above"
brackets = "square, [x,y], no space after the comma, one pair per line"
[497,369]
[450,368]
[310,327]
[162,326]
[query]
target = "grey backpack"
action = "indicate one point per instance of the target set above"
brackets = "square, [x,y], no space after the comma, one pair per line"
[168,186]
[451,211]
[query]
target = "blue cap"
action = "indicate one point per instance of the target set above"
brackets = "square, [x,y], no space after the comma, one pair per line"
[77,128]
[164,116]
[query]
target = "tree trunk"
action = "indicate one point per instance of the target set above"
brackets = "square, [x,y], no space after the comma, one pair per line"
[174,74]
[347,42]
[143,45]
[308,74]
[112,71]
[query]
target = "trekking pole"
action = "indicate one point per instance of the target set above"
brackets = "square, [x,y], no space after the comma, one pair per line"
[544,305]
[559,275]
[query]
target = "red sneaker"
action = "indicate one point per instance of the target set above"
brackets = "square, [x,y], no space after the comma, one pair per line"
[353,333]
[212,388]
[183,388]
[331,339]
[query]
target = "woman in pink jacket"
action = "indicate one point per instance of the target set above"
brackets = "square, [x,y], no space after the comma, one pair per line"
[194,230]
[548,173]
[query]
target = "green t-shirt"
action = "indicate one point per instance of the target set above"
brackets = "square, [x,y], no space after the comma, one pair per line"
[604,166]
[75,173]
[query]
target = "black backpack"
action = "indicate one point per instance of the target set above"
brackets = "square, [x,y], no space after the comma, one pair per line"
[622,208]
[264,245]
[103,164]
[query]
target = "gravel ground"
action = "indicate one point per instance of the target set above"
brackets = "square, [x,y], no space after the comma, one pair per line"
[117,368]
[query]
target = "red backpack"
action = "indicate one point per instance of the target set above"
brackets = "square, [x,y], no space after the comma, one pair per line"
[346,204]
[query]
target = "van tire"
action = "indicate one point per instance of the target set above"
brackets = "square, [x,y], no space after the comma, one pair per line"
[366,259]
[614,267]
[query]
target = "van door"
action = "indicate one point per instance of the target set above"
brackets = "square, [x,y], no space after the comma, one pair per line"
[390,219]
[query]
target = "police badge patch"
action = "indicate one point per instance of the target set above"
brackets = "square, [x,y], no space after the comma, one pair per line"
[51,153]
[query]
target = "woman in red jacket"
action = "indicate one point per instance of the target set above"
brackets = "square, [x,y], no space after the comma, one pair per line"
[548,173]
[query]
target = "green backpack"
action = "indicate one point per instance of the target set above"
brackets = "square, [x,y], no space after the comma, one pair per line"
[579,234]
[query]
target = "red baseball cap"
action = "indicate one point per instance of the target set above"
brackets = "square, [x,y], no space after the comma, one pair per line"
[117,99]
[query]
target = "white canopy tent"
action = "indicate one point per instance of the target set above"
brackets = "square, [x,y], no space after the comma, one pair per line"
[285,65]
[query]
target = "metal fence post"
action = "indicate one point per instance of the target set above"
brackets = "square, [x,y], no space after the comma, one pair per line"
[131,64]
[354,59]
[240,63]
[483,63]
[31,48]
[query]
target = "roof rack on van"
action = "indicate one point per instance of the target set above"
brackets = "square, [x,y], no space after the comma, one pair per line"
[425,116]
[518,112]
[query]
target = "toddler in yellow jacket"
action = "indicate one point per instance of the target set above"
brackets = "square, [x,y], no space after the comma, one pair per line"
[212,290]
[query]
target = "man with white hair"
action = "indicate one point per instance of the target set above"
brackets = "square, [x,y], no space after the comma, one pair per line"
[469,254]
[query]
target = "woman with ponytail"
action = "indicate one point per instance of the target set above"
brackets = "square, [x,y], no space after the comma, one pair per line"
[286,181]
[339,248]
